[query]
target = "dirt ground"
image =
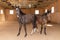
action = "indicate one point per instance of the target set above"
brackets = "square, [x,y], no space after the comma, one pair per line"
[8,31]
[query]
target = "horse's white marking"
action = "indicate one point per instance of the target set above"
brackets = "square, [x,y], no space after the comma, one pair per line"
[16,8]
[17,11]
[49,25]
[34,30]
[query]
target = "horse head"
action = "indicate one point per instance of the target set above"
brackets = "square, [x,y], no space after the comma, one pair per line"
[17,11]
[48,11]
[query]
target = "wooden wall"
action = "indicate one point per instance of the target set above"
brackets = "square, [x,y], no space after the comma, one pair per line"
[2,16]
[10,17]
[55,17]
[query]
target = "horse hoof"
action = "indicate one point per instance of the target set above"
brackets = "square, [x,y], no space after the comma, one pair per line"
[18,34]
[32,32]
[40,32]
[45,33]
[25,35]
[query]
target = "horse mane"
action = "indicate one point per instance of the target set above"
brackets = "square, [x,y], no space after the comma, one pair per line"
[21,12]
[49,11]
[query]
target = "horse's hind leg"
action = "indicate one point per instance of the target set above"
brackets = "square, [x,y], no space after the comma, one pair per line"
[25,30]
[19,29]
[34,27]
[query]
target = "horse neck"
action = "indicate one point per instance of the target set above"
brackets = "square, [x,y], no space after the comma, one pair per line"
[45,14]
[21,13]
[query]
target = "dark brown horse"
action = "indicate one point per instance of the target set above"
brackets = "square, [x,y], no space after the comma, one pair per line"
[42,20]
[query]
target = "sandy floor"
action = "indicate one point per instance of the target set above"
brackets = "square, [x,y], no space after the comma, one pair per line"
[8,31]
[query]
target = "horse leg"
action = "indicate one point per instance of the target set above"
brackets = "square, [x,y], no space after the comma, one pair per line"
[41,28]
[45,29]
[34,27]
[34,23]
[25,30]
[19,29]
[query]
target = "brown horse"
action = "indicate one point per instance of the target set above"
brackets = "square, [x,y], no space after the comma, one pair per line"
[42,20]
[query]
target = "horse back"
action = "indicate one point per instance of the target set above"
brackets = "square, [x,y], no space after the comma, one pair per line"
[28,18]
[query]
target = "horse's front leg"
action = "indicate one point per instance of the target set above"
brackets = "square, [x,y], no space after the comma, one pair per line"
[20,26]
[41,28]
[25,30]
[45,29]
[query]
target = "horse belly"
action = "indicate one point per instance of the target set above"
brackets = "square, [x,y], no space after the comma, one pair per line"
[28,19]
